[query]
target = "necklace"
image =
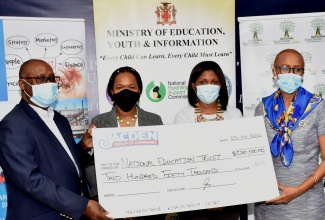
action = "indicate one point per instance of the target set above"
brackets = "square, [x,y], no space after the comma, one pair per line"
[200,118]
[134,117]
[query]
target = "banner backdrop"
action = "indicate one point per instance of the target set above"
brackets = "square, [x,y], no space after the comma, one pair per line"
[163,41]
[59,42]
[262,37]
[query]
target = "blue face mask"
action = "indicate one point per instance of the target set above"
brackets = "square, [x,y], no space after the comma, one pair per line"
[43,94]
[208,93]
[289,82]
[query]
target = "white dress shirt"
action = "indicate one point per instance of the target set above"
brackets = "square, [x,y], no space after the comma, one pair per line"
[47,116]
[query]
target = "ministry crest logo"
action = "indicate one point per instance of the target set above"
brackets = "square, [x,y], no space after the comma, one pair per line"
[166,14]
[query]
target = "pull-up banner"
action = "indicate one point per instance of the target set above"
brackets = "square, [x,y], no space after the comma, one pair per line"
[163,41]
[60,43]
[262,37]
[3,83]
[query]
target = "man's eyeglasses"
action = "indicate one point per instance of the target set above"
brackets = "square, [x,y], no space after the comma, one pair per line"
[295,70]
[44,79]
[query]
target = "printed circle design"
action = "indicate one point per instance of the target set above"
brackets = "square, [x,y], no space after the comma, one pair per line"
[156,91]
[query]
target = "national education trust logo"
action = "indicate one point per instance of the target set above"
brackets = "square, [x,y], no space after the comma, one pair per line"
[287,26]
[258,98]
[268,71]
[320,89]
[317,24]
[156,91]
[308,57]
[256,29]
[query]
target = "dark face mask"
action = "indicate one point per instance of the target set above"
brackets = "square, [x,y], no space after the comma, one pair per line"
[126,99]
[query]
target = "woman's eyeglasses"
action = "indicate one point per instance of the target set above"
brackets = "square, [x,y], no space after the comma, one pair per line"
[286,69]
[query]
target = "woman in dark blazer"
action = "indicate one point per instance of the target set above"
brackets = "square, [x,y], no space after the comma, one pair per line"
[124,89]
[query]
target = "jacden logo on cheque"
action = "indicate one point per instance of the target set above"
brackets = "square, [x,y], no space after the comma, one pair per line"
[131,138]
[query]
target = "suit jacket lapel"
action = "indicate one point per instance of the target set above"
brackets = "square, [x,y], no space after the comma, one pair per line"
[66,134]
[142,120]
[47,132]
[111,120]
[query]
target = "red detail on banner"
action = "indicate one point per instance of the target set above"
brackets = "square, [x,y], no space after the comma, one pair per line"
[166,14]
[2,179]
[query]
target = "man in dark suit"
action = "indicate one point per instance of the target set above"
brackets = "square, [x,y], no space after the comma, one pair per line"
[39,156]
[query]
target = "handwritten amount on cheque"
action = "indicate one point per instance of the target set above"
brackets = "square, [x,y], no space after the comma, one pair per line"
[191,163]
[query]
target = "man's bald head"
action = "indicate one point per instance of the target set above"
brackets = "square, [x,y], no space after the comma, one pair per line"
[29,66]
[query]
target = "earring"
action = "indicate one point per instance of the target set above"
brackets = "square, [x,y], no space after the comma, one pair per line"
[275,77]
[197,103]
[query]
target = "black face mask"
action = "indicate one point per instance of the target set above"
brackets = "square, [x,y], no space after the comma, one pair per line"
[126,99]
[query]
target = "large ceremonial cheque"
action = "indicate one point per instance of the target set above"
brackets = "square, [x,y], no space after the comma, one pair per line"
[172,168]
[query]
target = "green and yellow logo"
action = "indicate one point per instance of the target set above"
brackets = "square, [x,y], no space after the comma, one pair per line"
[156,91]
[318,24]
[287,26]
[320,89]
[256,28]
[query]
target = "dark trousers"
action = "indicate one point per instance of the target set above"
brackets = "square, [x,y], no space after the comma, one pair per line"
[226,213]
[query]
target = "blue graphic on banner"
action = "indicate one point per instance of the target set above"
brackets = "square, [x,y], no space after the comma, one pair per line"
[3,78]
[3,197]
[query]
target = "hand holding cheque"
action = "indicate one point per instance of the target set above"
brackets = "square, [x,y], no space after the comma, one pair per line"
[162,169]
